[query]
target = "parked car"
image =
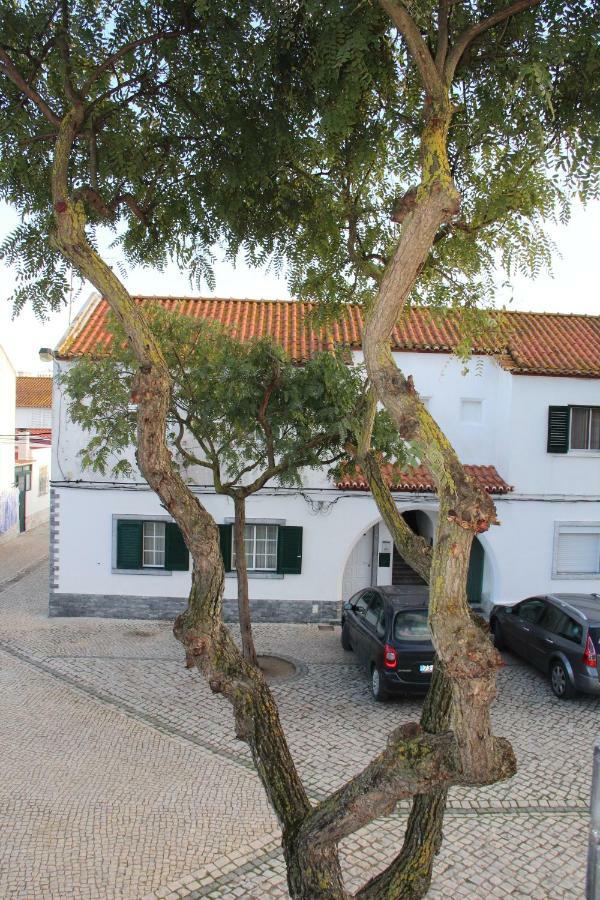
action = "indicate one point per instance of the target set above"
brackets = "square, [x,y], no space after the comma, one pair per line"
[557,633]
[388,632]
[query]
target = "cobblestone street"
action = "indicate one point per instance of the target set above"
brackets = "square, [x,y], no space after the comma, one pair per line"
[121,777]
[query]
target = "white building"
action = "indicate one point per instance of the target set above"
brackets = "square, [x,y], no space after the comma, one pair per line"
[9,499]
[525,415]
[34,401]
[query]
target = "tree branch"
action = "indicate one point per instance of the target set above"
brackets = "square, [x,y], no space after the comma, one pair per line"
[469,35]
[417,47]
[442,42]
[124,50]
[17,79]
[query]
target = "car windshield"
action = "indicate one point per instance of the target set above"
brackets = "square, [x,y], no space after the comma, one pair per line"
[411,625]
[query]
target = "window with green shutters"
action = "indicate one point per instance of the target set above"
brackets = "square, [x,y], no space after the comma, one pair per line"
[150,546]
[269,548]
[573,428]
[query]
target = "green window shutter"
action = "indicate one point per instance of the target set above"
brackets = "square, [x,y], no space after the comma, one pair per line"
[558,429]
[129,544]
[225,538]
[177,557]
[289,550]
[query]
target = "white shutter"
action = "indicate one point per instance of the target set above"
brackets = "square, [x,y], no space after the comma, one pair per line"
[578,551]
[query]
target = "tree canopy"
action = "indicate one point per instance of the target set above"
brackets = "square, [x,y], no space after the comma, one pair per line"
[292,131]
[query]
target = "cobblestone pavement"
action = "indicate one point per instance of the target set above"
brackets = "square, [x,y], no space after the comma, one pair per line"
[22,554]
[121,777]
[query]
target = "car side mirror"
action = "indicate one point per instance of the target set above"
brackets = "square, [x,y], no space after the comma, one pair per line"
[348,606]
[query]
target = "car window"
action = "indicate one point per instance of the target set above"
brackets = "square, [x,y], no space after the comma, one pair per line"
[553,619]
[531,610]
[572,630]
[360,606]
[374,613]
[411,625]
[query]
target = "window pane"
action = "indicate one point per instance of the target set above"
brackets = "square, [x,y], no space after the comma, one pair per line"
[580,425]
[260,544]
[154,545]
[411,626]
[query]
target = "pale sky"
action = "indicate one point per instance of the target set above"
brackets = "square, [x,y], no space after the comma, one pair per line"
[574,287]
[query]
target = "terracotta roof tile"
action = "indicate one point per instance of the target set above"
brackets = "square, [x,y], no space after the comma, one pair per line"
[523,343]
[34,391]
[419,480]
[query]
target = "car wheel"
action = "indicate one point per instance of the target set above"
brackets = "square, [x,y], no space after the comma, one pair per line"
[497,635]
[345,638]
[560,681]
[377,689]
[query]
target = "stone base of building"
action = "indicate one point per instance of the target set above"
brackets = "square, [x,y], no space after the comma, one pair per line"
[112,606]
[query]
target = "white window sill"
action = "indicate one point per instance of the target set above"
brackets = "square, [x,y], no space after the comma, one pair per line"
[568,576]
[252,575]
[584,454]
[146,571]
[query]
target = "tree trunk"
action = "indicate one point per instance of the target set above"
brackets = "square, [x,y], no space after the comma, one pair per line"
[241,568]
[414,761]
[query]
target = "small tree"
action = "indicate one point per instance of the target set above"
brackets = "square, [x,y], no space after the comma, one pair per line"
[245,412]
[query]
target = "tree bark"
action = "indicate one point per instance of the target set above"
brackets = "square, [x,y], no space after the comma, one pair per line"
[241,568]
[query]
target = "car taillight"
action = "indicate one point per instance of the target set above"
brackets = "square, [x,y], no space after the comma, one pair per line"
[390,657]
[589,657]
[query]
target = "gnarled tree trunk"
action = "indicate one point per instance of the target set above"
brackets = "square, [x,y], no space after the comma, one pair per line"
[417,760]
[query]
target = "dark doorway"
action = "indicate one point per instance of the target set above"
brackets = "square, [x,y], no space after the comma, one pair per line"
[401,571]
[475,575]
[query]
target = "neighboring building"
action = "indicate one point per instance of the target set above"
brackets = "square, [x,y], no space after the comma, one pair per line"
[34,401]
[525,417]
[9,503]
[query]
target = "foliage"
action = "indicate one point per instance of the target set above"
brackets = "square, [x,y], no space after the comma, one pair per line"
[240,409]
[291,131]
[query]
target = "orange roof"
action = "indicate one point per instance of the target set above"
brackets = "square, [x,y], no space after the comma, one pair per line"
[419,480]
[34,391]
[524,343]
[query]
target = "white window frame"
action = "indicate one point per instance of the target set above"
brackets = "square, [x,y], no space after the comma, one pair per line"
[251,562]
[156,538]
[584,451]
[572,527]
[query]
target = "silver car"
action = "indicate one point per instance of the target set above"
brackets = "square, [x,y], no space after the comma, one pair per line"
[557,633]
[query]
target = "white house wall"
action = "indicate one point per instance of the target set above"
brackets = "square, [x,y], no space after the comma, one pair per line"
[511,436]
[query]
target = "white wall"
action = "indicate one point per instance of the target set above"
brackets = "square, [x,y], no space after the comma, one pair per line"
[37,506]
[33,417]
[531,468]
[518,554]
[7,421]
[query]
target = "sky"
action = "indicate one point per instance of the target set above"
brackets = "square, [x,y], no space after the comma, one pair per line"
[574,287]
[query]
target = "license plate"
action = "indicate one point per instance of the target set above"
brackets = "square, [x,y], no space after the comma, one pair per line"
[426,670]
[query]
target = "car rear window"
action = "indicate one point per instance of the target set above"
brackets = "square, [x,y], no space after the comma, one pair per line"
[411,625]
[595,633]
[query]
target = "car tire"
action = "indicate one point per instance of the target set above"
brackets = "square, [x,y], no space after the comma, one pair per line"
[498,638]
[346,645]
[560,681]
[377,689]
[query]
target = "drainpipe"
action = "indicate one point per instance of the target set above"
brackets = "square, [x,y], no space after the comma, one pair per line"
[592,890]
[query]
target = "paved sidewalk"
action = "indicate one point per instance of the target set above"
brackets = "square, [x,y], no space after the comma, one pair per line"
[23,553]
[121,776]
